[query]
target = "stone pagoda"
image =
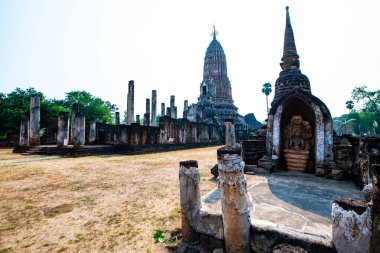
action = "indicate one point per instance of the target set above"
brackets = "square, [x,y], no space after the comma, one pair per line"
[299,130]
[215,102]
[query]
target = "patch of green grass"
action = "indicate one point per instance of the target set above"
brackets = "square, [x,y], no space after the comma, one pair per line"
[88,200]
[175,213]
[57,210]
[6,250]
[77,185]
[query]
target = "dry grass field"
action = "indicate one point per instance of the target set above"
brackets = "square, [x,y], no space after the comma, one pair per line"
[110,203]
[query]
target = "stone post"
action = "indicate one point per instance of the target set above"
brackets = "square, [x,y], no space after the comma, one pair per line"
[147,112]
[154,108]
[131,102]
[174,112]
[233,189]
[117,118]
[229,132]
[74,111]
[185,108]
[79,130]
[92,132]
[162,109]
[34,121]
[24,133]
[172,104]
[168,112]
[138,119]
[375,238]
[63,129]
[190,197]
[351,226]
[146,119]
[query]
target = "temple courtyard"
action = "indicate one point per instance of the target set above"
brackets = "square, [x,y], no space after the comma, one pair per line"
[117,202]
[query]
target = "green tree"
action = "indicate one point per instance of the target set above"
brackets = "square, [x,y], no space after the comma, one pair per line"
[371,100]
[14,107]
[93,108]
[349,105]
[267,89]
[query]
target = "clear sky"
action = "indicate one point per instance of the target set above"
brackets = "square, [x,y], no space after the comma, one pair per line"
[58,46]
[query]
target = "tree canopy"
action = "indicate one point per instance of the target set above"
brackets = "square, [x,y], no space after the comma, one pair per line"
[365,120]
[14,107]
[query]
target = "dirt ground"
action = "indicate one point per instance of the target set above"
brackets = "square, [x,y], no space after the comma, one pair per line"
[110,203]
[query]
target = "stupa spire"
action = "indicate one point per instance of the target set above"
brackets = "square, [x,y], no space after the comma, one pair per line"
[214,33]
[290,56]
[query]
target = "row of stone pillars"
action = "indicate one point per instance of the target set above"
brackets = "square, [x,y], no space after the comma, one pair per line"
[30,129]
[149,117]
[233,189]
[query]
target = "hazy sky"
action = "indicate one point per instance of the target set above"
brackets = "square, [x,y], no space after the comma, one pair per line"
[58,46]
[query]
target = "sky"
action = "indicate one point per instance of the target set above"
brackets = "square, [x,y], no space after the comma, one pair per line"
[57,46]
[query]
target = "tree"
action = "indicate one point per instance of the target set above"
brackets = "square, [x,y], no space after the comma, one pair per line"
[349,104]
[371,100]
[93,108]
[267,89]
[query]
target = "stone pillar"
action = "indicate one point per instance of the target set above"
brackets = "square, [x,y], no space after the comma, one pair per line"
[63,129]
[138,119]
[34,121]
[172,104]
[117,118]
[92,132]
[185,108]
[79,130]
[162,109]
[74,111]
[154,108]
[168,112]
[190,197]
[229,132]
[375,238]
[146,119]
[233,189]
[131,102]
[351,226]
[174,112]
[24,133]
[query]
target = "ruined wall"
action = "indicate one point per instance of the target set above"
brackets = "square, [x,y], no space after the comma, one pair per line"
[184,131]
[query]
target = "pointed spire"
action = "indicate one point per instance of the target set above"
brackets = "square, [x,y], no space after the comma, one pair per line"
[214,33]
[290,56]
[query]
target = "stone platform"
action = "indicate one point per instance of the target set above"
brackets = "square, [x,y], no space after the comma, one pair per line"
[292,202]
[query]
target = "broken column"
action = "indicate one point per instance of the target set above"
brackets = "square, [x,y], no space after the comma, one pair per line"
[351,226]
[92,132]
[138,119]
[24,133]
[190,197]
[172,104]
[185,108]
[168,112]
[74,111]
[147,112]
[117,118]
[229,130]
[154,108]
[34,121]
[233,189]
[162,109]
[63,129]
[130,102]
[79,130]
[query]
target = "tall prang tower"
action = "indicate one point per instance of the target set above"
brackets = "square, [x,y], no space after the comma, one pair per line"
[215,102]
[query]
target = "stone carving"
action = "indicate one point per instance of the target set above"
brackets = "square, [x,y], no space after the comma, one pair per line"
[297,144]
